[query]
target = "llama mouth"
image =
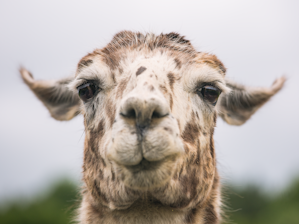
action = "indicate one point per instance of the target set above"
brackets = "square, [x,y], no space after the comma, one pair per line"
[149,174]
[145,165]
[144,147]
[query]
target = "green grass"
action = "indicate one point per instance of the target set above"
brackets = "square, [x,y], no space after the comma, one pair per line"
[248,205]
[57,207]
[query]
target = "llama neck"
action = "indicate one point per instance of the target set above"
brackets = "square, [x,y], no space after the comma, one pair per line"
[149,212]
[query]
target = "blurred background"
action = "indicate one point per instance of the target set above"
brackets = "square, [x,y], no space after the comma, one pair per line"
[40,158]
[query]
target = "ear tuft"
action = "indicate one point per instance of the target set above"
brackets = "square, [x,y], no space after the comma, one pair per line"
[62,103]
[26,76]
[278,84]
[237,106]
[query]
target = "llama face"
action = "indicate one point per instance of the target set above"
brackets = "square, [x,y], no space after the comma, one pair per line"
[150,118]
[150,105]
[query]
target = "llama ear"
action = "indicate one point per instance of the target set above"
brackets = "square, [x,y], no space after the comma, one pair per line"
[62,103]
[237,106]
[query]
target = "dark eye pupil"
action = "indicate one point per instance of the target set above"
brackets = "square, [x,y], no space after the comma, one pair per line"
[86,91]
[211,94]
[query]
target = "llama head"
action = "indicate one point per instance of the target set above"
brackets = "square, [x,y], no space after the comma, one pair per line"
[150,105]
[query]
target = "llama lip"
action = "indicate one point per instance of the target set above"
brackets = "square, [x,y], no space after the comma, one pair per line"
[145,165]
[141,146]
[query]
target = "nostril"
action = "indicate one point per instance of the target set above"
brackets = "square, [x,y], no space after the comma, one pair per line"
[131,113]
[143,111]
[156,114]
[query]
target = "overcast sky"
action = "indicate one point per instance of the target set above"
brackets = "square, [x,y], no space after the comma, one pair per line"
[257,41]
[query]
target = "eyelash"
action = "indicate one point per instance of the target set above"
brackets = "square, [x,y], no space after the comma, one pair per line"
[87,90]
[83,82]
[209,93]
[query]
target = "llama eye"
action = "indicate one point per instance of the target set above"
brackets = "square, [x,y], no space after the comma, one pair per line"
[210,93]
[87,91]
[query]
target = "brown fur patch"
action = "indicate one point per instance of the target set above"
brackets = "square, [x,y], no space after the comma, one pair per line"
[215,118]
[191,158]
[91,154]
[191,132]
[112,175]
[190,217]
[175,176]
[97,191]
[96,136]
[101,175]
[113,77]
[110,111]
[84,63]
[121,87]
[213,61]
[197,161]
[212,149]
[178,38]
[171,80]
[178,63]
[86,60]
[151,88]
[181,170]
[189,183]
[101,126]
[197,115]
[210,215]
[140,70]
[163,89]
[111,59]
[170,101]
[102,161]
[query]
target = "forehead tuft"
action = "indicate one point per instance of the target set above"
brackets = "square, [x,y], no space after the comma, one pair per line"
[128,40]
[124,39]
[127,43]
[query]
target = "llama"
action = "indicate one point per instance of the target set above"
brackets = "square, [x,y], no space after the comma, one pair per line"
[150,105]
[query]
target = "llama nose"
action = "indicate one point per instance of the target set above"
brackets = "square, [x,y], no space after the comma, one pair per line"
[143,110]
